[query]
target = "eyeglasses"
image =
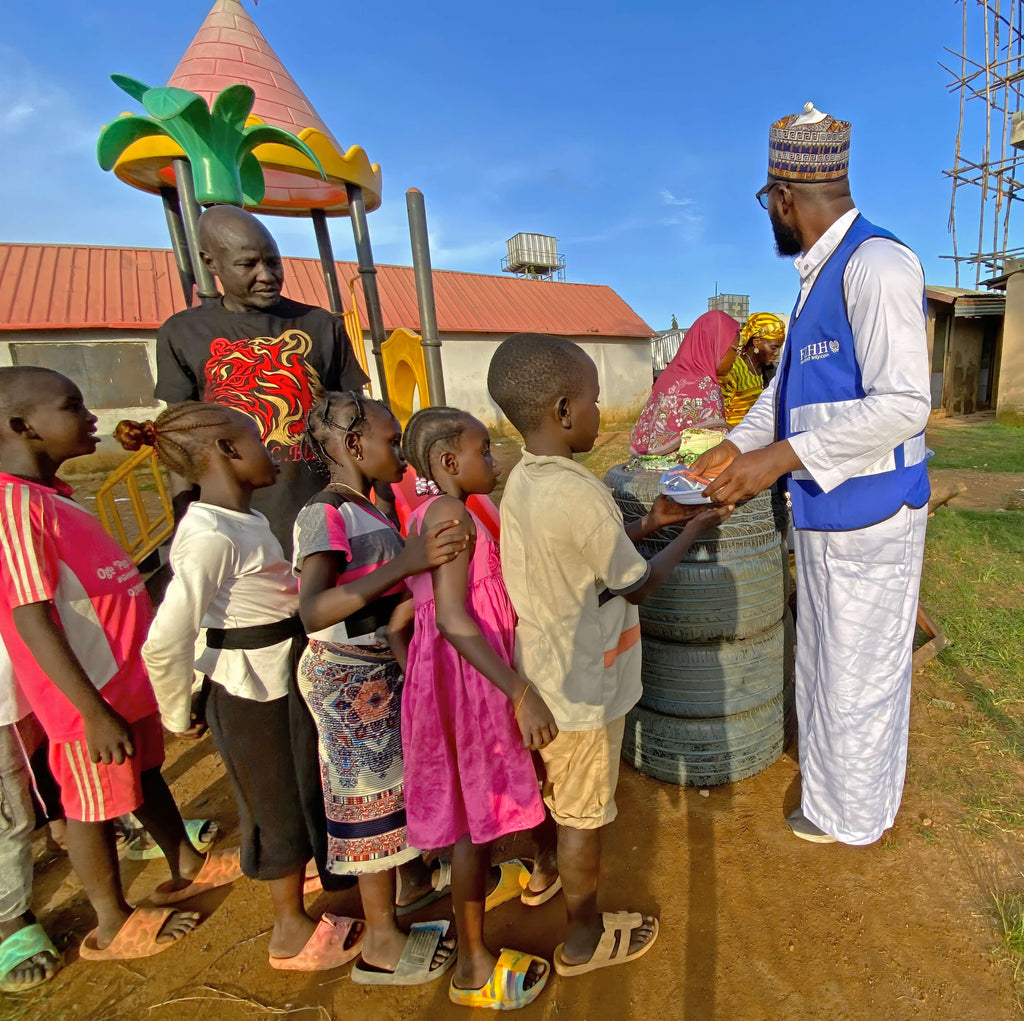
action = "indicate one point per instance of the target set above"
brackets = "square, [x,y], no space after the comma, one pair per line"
[359,416]
[762,195]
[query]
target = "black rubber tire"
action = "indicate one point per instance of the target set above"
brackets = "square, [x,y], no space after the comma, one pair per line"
[750,528]
[718,600]
[717,679]
[707,752]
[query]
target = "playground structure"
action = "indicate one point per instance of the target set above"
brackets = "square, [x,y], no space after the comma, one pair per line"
[205,142]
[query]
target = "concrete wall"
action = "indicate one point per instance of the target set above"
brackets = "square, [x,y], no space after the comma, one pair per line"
[963,366]
[1010,396]
[114,369]
[623,365]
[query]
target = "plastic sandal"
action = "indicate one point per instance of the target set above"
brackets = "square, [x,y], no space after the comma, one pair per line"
[21,946]
[534,898]
[504,990]
[514,877]
[194,829]
[415,965]
[219,869]
[136,938]
[326,948]
[442,887]
[613,946]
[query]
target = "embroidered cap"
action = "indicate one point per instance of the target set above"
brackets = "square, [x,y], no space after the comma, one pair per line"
[809,146]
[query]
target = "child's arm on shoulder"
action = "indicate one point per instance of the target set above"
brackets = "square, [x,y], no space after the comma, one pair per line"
[202,563]
[536,724]
[701,519]
[323,602]
[107,735]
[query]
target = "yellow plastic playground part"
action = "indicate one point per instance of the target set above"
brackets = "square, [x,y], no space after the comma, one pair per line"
[354,329]
[148,532]
[406,371]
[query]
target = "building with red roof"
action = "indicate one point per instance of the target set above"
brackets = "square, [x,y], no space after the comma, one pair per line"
[92,313]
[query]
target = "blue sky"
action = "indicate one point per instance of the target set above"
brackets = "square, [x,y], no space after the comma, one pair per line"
[634,132]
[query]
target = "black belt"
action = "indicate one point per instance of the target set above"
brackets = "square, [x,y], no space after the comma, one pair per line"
[258,636]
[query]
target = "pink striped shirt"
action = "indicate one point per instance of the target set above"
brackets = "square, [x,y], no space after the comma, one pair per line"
[52,550]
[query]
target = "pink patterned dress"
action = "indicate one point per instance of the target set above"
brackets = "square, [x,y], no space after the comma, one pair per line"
[466,770]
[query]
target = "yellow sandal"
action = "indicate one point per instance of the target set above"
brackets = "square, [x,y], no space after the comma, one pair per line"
[505,989]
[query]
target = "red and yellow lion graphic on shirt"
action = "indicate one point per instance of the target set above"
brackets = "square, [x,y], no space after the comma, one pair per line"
[268,378]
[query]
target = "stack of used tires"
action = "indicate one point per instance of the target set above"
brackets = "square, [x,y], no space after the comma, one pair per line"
[717,647]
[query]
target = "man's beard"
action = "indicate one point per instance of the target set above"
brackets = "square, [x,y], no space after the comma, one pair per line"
[787,244]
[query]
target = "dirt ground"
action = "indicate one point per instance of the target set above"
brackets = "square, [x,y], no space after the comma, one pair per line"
[754,923]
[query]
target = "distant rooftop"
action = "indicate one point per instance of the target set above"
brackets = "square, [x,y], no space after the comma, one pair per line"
[67,287]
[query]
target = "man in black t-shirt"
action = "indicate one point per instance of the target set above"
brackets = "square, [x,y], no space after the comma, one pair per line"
[256,351]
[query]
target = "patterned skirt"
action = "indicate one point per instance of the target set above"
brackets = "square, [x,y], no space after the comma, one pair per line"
[355,695]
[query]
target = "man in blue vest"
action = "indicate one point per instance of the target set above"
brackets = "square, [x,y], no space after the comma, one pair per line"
[843,424]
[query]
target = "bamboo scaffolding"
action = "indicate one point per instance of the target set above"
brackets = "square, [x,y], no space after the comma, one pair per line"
[994,81]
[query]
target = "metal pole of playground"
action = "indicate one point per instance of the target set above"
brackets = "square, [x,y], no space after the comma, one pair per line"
[190,215]
[179,243]
[430,340]
[368,272]
[323,244]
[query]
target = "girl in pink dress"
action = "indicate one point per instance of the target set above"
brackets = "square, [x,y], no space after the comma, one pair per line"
[468,719]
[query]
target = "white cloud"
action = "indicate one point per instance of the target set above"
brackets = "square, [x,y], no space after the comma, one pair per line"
[669,199]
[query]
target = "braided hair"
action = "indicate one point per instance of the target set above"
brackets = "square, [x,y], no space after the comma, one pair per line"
[182,436]
[430,430]
[337,410]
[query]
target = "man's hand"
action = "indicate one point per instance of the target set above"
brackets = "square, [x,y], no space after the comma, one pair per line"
[714,461]
[751,473]
[108,737]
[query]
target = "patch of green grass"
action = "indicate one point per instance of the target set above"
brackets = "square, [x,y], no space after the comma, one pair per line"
[611,448]
[987,447]
[972,584]
[1010,912]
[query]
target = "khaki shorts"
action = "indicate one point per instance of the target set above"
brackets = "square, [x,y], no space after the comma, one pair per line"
[582,774]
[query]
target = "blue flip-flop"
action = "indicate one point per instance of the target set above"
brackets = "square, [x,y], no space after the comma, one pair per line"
[193,827]
[18,948]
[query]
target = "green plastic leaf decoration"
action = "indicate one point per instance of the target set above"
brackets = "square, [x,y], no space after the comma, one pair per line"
[266,134]
[253,185]
[118,135]
[233,106]
[132,86]
[168,102]
[217,144]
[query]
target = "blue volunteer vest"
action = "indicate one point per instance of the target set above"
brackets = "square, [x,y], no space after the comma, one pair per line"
[818,379]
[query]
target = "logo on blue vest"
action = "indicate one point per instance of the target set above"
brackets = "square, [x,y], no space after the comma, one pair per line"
[822,349]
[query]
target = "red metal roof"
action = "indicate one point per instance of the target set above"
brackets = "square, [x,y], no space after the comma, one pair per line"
[73,287]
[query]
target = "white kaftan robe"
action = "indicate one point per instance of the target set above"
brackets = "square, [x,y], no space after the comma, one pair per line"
[857,590]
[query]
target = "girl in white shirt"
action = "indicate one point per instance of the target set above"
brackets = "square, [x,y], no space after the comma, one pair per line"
[231,578]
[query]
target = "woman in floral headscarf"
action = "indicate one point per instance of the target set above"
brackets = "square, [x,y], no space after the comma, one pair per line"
[757,347]
[687,394]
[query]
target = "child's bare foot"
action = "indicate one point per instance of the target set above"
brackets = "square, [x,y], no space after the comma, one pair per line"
[289,936]
[383,950]
[543,876]
[178,924]
[580,944]
[474,972]
[415,880]
[34,970]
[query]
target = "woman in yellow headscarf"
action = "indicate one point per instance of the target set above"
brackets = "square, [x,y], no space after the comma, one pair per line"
[757,347]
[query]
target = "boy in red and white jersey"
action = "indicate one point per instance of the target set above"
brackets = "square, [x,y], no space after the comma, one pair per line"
[73,616]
